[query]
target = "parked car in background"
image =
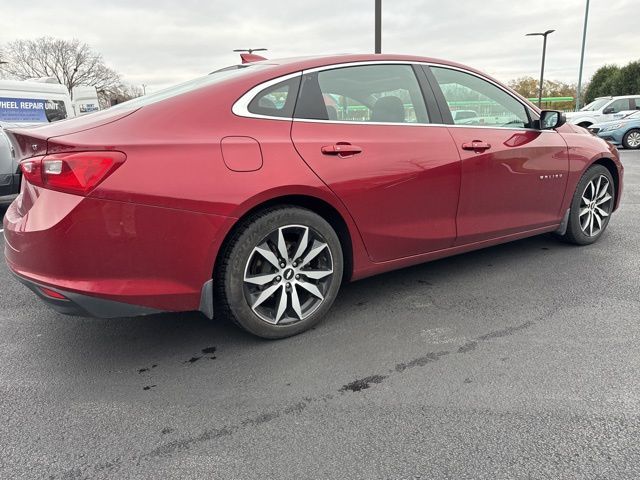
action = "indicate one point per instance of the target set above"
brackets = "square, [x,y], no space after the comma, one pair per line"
[604,109]
[465,117]
[624,132]
[25,103]
[9,172]
[278,201]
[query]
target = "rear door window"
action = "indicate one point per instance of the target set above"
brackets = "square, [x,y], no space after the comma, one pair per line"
[367,93]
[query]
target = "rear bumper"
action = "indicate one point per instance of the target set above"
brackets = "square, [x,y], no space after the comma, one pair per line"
[84,305]
[112,258]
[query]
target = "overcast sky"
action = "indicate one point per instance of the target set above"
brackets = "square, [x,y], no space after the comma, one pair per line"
[163,42]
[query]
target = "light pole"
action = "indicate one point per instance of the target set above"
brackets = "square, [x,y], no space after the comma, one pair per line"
[378,27]
[584,40]
[544,52]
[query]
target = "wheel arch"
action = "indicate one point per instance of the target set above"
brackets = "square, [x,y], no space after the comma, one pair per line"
[317,205]
[610,165]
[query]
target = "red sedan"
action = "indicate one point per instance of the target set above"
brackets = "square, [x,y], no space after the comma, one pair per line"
[254,192]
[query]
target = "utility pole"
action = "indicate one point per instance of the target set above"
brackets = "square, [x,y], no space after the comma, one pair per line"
[584,41]
[144,89]
[378,27]
[544,52]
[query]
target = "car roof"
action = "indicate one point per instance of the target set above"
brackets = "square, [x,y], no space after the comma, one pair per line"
[282,66]
[617,97]
[308,62]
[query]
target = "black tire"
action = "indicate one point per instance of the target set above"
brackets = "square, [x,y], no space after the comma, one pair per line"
[575,233]
[231,294]
[626,139]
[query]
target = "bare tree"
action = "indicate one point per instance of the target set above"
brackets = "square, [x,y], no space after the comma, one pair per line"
[117,94]
[72,63]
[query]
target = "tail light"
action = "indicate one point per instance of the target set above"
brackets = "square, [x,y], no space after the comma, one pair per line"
[32,170]
[77,173]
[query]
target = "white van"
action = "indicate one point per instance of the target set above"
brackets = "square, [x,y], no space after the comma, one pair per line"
[85,100]
[604,109]
[25,103]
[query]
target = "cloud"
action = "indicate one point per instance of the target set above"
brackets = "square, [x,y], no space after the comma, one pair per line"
[164,42]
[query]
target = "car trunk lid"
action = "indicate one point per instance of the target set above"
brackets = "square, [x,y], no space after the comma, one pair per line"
[34,141]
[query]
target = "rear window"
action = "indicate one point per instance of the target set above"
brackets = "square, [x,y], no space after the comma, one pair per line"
[211,79]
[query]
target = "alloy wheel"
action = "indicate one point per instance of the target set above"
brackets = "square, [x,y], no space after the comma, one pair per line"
[288,274]
[633,139]
[595,205]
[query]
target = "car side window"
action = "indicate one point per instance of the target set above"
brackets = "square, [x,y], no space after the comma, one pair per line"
[277,100]
[489,105]
[367,93]
[619,105]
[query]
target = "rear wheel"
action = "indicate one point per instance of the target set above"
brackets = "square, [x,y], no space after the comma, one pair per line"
[631,139]
[591,206]
[280,272]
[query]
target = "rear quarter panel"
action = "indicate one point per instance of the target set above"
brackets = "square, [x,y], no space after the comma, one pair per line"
[174,161]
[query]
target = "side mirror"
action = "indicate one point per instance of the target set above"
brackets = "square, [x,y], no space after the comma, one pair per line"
[550,119]
[608,110]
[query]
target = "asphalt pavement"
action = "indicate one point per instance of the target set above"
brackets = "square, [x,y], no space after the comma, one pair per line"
[517,361]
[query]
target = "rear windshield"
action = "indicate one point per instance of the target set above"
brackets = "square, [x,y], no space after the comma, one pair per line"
[211,79]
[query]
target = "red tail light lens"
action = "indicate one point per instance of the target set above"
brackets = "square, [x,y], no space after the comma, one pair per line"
[32,170]
[77,173]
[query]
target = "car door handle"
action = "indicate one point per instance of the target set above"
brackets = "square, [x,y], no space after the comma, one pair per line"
[341,150]
[476,146]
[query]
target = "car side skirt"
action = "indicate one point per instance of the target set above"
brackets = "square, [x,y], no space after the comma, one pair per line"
[376,268]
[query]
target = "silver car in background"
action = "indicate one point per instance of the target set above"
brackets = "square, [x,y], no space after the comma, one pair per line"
[9,173]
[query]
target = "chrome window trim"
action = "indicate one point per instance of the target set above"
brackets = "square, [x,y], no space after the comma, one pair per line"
[240,107]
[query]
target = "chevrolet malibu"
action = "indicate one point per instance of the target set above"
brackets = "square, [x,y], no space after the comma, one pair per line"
[256,191]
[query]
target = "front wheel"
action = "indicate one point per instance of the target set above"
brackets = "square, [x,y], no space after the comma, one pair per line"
[591,206]
[280,272]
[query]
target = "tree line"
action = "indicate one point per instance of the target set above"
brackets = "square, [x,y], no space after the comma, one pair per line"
[607,81]
[71,62]
[612,80]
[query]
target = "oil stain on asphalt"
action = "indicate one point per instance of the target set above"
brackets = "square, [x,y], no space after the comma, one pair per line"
[207,435]
[362,383]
